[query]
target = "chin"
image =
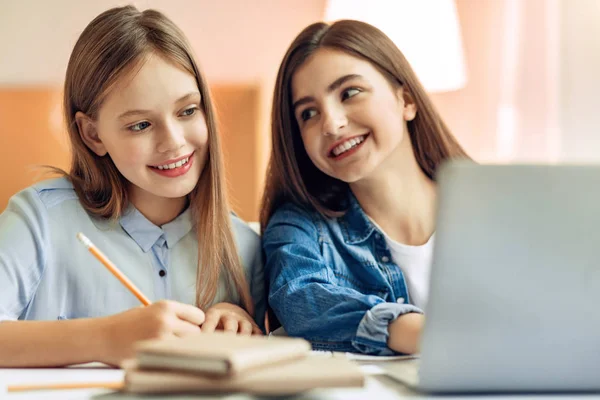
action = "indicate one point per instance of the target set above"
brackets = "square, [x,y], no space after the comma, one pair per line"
[349,177]
[175,190]
[182,191]
[350,180]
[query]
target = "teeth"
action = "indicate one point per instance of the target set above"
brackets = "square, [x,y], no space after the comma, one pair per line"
[347,145]
[174,165]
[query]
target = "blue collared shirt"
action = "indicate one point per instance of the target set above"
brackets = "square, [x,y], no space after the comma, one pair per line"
[46,274]
[332,281]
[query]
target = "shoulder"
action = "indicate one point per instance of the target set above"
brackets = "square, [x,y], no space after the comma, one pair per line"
[43,195]
[291,213]
[242,231]
[291,222]
[53,192]
[247,241]
[28,223]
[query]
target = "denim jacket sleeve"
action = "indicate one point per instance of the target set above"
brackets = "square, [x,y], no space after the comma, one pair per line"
[306,299]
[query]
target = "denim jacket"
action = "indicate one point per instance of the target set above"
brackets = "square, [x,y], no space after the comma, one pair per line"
[332,281]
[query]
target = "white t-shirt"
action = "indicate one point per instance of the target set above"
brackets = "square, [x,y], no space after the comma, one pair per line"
[415,263]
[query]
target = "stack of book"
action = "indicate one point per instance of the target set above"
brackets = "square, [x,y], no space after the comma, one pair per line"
[221,362]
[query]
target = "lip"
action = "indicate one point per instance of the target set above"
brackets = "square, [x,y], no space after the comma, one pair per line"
[336,144]
[173,161]
[174,173]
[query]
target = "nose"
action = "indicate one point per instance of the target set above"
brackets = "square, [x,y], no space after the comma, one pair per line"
[171,138]
[334,119]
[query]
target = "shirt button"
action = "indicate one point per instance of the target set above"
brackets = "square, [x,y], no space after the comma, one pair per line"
[377,236]
[385,259]
[162,273]
[400,300]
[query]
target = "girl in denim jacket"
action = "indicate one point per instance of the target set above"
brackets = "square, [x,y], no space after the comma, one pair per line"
[348,211]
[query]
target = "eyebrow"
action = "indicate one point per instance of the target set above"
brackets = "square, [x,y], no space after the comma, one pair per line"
[140,111]
[333,86]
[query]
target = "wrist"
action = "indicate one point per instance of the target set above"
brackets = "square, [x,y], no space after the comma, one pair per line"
[405,333]
[99,333]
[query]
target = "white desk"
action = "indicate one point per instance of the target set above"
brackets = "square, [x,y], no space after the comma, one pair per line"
[378,387]
[98,373]
[93,372]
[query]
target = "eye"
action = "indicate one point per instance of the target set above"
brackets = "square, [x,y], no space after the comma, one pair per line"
[140,126]
[189,111]
[350,92]
[307,114]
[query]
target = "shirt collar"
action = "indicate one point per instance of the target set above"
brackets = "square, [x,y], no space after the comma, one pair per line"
[355,225]
[146,234]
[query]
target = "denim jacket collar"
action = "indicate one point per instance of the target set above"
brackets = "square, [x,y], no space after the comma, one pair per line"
[355,225]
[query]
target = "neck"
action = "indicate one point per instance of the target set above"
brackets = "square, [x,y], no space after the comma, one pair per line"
[158,210]
[399,197]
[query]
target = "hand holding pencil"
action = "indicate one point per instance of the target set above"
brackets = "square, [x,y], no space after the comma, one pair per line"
[161,319]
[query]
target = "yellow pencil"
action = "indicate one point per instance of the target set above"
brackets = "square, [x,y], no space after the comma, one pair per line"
[65,386]
[112,268]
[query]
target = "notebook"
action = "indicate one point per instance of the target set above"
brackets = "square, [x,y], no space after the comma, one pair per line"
[287,378]
[218,353]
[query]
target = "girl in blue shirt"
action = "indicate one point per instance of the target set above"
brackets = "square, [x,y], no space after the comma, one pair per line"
[348,211]
[146,185]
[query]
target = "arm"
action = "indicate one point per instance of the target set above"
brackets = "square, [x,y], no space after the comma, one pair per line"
[309,303]
[108,339]
[405,333]
[23,250]
[23,229]
[50,343]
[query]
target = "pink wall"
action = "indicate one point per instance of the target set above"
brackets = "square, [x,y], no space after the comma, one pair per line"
[512,55]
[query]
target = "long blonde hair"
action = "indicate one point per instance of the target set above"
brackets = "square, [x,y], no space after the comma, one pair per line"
[114,43]
[291,175]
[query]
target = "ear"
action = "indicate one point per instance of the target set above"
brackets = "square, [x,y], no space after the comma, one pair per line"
[409,108]
[87,130]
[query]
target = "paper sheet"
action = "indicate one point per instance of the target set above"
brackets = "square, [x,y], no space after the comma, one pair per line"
[361,357]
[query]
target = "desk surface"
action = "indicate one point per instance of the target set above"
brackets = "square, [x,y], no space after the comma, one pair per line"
[95,372]
[378,387]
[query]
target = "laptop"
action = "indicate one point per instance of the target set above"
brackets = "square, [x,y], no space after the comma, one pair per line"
[514,300]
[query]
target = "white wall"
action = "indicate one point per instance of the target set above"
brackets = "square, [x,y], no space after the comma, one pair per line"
[235,40]
[580,80]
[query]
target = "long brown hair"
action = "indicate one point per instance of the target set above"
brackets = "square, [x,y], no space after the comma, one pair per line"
[115,43]
[291,175]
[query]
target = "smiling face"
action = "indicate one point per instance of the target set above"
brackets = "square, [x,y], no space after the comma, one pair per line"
[152,126]
[350,116]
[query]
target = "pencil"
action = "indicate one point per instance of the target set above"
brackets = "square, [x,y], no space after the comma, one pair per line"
[113,269]
[66,386]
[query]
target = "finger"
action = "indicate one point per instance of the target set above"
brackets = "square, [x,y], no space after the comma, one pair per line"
[256,330]
[189,313]
[182,328]
[230,324]
[211,322]
[167,336]
[245,328]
